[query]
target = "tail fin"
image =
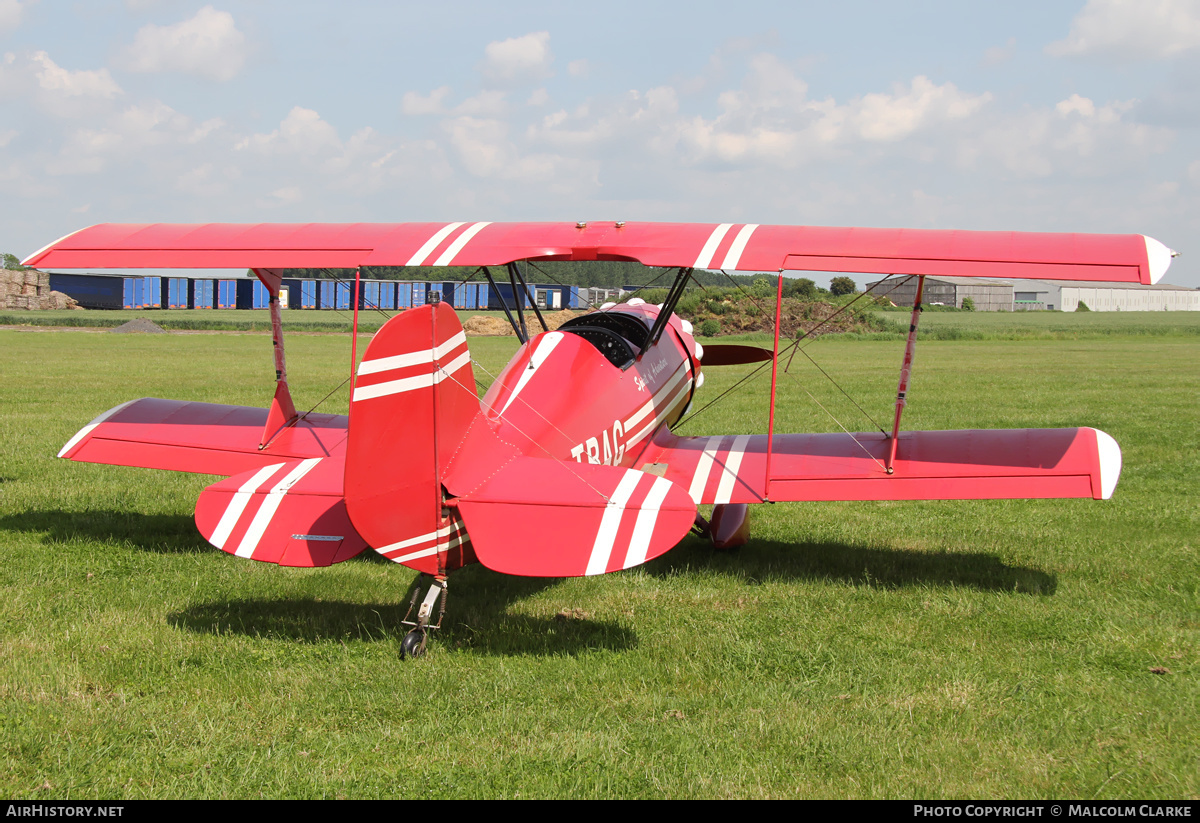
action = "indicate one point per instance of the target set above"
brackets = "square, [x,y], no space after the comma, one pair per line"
[413,402]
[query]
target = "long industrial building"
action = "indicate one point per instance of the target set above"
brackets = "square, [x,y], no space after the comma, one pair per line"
[114,291]
[1039,295]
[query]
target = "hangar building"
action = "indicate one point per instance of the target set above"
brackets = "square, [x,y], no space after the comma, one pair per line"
[1042,295]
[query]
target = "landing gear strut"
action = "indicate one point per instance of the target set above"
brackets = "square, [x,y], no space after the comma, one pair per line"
[413,644]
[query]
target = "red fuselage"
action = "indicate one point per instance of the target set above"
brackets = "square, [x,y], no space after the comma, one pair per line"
[582,393]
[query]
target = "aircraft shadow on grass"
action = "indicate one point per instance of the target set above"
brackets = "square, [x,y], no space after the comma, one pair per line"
[478,616]
[761,560]
[162,533]
[478,619]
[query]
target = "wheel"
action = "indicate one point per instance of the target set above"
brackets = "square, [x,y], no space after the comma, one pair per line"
[413,644]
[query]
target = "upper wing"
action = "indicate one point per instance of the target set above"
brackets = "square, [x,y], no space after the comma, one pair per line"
[1131,258]
[200,437]
[930,465]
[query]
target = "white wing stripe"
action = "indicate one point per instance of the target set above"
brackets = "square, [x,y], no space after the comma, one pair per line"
[431,244]
[704,468]
[739,245]
[86,430]
[458,243]
[262,518]
[639,545]
[238,503]
[733,462]
[710,248]
[611,522]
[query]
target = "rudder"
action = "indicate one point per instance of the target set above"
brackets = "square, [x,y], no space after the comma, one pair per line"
[412,404]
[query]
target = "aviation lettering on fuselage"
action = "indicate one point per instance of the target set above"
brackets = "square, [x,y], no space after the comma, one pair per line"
[601,450]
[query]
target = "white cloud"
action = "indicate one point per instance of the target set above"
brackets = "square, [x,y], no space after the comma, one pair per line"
[998,55]
[130,135]
[578,68]
[1132,29]
[48,86]
[10,14]
[892,117]
[206,45]
[303,131]
[517,61]
[413,103]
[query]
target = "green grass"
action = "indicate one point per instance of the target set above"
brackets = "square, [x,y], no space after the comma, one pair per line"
[934,650]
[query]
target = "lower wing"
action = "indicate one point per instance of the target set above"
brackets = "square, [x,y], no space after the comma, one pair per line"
[933,465]
[200,437]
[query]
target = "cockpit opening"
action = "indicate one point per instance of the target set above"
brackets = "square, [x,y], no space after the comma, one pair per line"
[616,335]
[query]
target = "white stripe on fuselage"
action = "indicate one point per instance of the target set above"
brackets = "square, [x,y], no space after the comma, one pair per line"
[536,359]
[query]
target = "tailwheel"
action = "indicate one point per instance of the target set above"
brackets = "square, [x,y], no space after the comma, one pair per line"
[414,643]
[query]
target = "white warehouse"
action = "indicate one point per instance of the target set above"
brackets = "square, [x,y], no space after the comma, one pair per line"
[1044,295]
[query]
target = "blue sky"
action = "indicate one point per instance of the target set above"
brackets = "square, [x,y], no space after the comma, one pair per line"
[1067,116]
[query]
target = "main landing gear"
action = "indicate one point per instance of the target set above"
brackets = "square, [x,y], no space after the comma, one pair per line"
[730,526]
[413,644]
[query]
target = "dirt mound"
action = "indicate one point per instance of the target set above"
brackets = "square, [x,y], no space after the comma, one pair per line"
[496,325]
[553,321]
[140,325]
[738,314]
[482,325]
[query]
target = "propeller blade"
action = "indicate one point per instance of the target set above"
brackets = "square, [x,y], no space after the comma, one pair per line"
[731,355]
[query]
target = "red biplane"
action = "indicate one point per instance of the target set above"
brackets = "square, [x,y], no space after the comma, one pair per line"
[567,465]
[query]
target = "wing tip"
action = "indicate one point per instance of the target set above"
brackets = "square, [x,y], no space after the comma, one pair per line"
[1109,456]
[30,260]
[86,430]
[1158,258]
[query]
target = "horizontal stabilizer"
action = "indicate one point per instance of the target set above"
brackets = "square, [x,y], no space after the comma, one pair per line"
[290,513]
[930,465]
[544,518]
[206,438]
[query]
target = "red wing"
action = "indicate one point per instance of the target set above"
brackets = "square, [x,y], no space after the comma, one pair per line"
[546,518]
[291,513]
[1130,258]
[937,465]
[199,437]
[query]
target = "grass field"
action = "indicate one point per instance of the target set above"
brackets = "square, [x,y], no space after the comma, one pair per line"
[1022,649]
